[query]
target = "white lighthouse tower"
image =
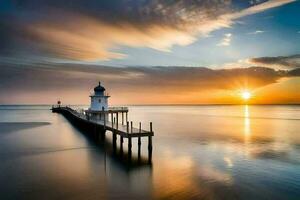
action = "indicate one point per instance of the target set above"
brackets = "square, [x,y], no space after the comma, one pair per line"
[99,100]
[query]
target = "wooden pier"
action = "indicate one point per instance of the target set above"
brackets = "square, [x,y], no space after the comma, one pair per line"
[109,121]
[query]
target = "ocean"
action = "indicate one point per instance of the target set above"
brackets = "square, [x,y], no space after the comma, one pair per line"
[199,152]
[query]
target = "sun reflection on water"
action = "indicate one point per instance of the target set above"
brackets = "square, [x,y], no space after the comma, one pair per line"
[247,125]
[247,130]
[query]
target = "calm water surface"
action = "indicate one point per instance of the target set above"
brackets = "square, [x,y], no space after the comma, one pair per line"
[200,152]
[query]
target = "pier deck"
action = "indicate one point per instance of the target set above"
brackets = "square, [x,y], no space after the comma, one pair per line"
[120,129]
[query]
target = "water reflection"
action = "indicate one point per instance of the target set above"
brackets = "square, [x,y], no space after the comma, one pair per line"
[247,130]
[200,152]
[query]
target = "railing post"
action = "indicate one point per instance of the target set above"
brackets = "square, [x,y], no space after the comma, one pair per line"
[131,126]
[140,127]
[122,118]
[151,127]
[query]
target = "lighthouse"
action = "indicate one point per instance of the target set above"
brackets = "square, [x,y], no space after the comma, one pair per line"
[99,99]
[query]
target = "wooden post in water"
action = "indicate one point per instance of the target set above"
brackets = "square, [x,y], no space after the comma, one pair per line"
[122,118]
[150,145]
[127,127]
[114,141]
[121,144]
[129,147]
[131,127]
[139,142]
[103,136]
[126,117]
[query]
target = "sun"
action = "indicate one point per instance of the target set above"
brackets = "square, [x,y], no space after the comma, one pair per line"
[246,95]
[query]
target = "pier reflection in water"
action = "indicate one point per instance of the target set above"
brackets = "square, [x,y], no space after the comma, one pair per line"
[199,152]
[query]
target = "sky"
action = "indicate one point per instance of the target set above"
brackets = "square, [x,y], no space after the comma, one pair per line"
[150,51]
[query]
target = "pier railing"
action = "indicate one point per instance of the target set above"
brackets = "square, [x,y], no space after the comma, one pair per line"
[118,108]
[112,125]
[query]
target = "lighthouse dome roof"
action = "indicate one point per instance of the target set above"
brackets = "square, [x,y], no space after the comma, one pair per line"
[99,88]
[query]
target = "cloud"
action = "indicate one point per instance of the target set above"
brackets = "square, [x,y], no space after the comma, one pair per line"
[260,8]
[256,32]
[226,40]
[44,83]
[95,30]
[287,62]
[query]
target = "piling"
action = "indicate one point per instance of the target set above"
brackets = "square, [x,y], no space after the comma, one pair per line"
[150,144]
[121,144]
[114,141]
[139,141]
[129,147]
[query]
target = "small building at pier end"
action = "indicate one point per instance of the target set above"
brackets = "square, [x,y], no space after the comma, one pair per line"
[99,100]
[99,108]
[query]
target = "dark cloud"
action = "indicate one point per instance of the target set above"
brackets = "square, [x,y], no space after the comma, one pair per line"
[169,77]
[288,62]
[52,80]
[294,72]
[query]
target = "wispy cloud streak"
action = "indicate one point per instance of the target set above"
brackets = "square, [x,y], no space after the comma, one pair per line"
[96,29]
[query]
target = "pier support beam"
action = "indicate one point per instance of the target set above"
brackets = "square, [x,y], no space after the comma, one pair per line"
[139,142]
[102,136]
[121,144]
[150,145]
[129,147]
[150,149]
[114,142]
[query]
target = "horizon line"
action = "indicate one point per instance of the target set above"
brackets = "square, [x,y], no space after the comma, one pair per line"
[207,104]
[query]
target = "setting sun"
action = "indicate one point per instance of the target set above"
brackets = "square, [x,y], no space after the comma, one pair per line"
[246,95]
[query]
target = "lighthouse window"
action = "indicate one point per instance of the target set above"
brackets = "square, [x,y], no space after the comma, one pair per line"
[99,100]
